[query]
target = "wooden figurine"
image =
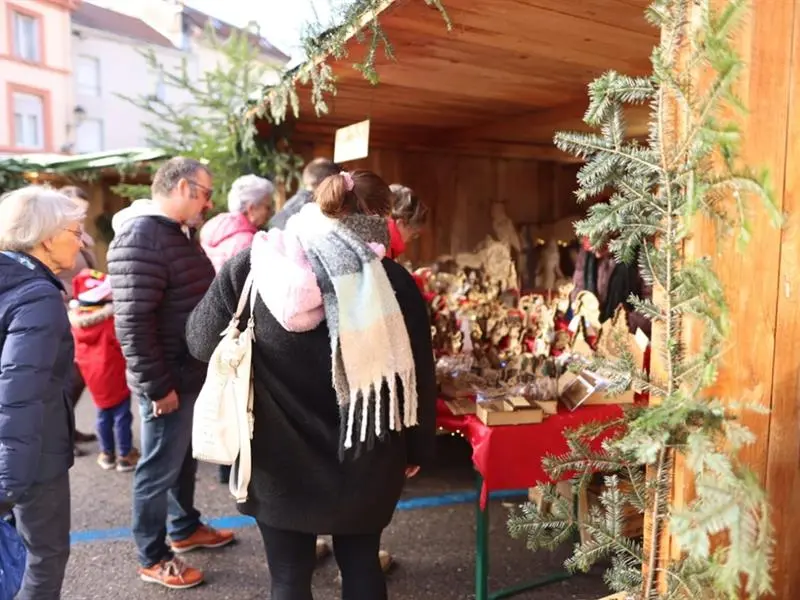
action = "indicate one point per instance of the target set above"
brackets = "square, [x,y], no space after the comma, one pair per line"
[549,267]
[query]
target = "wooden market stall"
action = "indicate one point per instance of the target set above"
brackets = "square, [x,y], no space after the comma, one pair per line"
[467,117]
[97,174]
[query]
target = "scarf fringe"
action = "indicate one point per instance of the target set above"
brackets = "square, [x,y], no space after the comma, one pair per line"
[368,402]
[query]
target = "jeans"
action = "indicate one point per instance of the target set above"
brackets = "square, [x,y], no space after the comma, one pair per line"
[291,556]
[163,484]
[115,422]
[43,521]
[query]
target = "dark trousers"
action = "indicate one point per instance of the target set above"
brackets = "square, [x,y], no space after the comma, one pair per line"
[163,485]
[114,424]
[291,557]
[43,520]
[78,385]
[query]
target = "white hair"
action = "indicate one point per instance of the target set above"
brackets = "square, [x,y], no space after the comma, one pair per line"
[247,191]
[33,214]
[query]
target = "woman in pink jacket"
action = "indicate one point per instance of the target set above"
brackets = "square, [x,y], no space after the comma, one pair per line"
[249,208]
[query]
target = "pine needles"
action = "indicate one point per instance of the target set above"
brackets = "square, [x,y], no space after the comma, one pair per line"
[349,18]
[687,169]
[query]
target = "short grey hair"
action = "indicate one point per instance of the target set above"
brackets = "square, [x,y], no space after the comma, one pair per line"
[247,191]
[171,172]
[33,214]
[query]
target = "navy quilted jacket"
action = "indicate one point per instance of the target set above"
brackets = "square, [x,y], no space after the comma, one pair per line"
[158,274]
[36,356]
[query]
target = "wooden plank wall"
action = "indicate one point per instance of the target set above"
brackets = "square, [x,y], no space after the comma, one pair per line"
[460,191]
[762,283]
[776,48]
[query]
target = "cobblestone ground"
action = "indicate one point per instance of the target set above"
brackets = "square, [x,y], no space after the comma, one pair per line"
[434,546]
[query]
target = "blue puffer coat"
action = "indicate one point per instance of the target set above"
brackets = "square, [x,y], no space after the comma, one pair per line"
[36,356]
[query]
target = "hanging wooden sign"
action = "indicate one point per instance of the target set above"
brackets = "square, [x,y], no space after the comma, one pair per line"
[352,142]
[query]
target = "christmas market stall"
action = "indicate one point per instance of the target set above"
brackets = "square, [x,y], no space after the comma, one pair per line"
[466,118]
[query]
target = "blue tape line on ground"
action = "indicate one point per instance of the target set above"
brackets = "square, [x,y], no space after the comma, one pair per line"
[241,521]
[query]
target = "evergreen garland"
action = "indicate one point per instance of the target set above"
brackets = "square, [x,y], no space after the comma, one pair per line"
[687,169]
[350,18]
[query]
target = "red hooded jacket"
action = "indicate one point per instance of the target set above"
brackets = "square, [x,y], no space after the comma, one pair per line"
[99,355]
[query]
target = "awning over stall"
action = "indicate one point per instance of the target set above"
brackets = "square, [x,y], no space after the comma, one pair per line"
[508,74]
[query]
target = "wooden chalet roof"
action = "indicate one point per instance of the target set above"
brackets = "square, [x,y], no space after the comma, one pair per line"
[509,74]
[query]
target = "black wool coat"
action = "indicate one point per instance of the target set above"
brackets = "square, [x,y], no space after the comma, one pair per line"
[299,482]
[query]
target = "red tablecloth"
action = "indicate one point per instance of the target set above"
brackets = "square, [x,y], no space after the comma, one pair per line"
[510,457]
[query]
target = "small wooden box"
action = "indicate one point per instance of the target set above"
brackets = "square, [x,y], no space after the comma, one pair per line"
[550,407]
[501,412]
[586,389]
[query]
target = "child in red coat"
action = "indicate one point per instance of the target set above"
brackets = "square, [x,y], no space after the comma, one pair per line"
[100,360]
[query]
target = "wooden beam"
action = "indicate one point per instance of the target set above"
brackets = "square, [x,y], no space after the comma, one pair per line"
[541,125]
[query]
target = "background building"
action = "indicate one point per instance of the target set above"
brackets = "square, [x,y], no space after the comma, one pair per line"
[107,54]
[107,47]
[36,91]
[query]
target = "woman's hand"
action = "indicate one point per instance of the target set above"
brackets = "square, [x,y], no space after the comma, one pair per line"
[411,471]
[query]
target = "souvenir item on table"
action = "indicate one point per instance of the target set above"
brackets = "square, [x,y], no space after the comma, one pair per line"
[587,388]
[497,406]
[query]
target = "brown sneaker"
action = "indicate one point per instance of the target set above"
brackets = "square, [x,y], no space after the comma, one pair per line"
[204,537]
[127,463]
[106,461]
[386,560]
[173,574]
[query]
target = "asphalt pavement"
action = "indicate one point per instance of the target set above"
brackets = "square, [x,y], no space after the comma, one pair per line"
[431,538]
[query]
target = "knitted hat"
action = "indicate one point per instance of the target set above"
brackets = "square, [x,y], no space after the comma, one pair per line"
[91,287]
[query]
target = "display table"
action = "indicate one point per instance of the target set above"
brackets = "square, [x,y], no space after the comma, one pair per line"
[510,457]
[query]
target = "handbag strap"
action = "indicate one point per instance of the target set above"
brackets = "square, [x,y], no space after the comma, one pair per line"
[239,481]
[248,286]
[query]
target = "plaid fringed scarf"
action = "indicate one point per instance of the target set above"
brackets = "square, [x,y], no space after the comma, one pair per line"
[370,348]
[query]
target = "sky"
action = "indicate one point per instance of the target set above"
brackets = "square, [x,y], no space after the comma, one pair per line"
[281,21]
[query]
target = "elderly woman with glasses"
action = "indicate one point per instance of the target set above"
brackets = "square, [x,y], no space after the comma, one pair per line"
[249,209]
[40,237]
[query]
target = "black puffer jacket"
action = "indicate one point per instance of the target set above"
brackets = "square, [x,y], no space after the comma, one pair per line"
[158,275]
[298,481]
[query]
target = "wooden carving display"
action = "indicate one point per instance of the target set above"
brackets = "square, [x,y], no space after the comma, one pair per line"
[548,272]
[504,227]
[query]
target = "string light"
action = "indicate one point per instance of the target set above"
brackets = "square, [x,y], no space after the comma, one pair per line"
[456,433]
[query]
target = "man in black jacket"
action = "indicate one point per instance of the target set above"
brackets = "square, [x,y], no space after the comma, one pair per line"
[158,274]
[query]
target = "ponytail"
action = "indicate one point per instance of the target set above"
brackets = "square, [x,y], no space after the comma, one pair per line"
[359,192]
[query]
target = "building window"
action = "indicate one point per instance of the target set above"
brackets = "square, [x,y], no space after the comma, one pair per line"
[28,121]
[89,137]
[26,37]
[88,76]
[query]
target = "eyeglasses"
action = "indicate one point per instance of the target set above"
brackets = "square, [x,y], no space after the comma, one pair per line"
[208,191]
[78,233]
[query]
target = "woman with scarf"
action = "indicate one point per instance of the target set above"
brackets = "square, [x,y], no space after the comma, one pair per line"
[344,383]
